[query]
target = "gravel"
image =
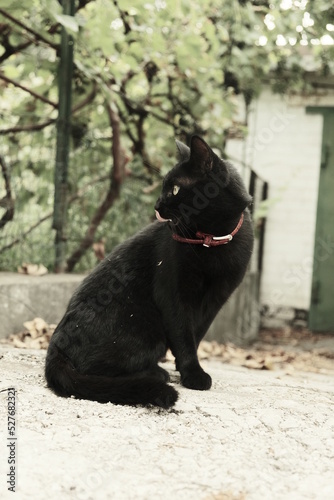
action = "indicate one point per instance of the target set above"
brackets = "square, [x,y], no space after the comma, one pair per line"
[255,435]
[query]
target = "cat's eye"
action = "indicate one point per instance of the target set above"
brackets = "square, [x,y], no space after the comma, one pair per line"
[176,189]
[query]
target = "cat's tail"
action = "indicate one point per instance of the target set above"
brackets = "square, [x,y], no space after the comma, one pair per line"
[141,389]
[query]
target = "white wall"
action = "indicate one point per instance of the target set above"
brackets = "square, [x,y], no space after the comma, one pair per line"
[284,147]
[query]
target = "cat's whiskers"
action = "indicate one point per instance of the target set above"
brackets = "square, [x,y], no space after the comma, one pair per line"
[185,231]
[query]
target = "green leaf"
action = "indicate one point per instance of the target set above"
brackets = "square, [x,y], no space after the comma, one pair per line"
[68,22]
[12,71]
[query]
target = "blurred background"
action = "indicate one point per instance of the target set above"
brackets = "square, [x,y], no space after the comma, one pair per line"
[93,94]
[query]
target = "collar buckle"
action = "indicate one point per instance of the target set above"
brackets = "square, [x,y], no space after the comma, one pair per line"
[228,237]
[207,240]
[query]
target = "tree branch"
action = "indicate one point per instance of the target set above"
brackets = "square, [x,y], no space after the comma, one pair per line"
[127,27]
[38,36]
[39,126]
[116,149]
[28,231]
[7,202]
[116,178]
[82,4]
[31,92]
[72,198]
[87,100]
[79,194]
[28,128]
[10,50]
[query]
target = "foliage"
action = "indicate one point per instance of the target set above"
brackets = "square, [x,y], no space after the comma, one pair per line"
[169,69]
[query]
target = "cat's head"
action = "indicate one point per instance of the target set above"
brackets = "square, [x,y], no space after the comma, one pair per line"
[202,192]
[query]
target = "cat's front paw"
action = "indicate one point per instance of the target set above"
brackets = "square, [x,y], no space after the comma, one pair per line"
[198,380]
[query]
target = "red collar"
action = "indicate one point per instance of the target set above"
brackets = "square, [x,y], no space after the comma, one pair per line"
[208,240]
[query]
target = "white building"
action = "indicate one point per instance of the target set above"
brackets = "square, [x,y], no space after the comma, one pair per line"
[290,144]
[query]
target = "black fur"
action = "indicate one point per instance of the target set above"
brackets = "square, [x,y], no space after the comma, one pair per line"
[152,292]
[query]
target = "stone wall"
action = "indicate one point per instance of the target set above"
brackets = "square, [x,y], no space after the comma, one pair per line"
[23,298]
[26,297]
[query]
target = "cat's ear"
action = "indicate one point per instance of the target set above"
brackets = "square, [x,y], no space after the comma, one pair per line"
[201,155]
[184,151]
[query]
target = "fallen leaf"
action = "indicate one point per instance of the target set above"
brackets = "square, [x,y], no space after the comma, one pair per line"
[99,249]
[36,327]
[37,335]
[32,269]
[267,353]
[152,187]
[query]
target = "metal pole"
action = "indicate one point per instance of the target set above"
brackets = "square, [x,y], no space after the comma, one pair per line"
[63,136]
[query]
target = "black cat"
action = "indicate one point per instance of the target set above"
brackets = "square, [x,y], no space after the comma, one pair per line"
[160,289]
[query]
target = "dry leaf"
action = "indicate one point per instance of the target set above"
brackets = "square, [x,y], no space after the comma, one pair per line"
[37,335]
[32,269]
[265,354]
[152,187]
[36,327]
[99,249]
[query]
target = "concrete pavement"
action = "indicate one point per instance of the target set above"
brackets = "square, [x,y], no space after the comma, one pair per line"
[255,435]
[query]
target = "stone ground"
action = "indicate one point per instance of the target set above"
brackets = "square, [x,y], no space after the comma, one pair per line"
[257,434]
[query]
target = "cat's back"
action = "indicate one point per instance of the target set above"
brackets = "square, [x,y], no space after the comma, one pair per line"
[130,264]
